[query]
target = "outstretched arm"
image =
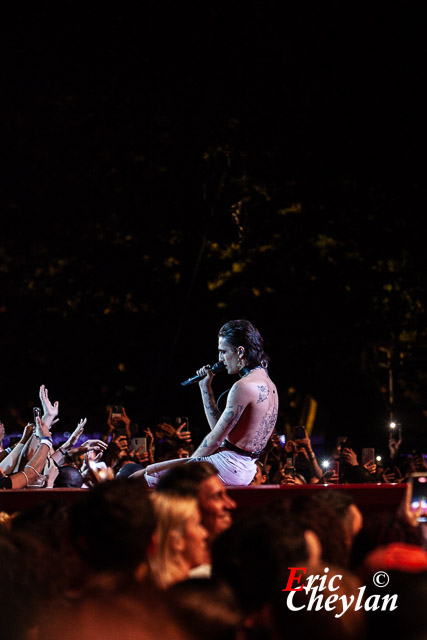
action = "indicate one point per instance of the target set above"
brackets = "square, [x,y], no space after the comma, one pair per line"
[236,403]
[3,453]
[61,452]
[34,467]
[9,463]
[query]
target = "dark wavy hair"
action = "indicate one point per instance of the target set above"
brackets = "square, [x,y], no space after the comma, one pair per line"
[242,333]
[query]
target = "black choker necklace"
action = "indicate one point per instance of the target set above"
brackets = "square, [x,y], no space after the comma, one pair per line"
[245,370]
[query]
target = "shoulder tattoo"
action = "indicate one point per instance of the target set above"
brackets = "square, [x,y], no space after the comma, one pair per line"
[263,393]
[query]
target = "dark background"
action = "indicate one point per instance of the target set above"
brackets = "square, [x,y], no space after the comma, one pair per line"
[168,169]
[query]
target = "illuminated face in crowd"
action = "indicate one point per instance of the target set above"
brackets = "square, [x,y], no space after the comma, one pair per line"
[215,505]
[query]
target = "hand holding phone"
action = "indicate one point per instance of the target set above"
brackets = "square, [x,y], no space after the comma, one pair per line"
[332,472]
[182,432]
[138,443]
[299,433]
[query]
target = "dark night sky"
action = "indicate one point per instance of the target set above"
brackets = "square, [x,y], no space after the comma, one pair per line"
[107,117]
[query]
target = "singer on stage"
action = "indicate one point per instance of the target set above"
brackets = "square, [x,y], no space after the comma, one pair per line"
[240,433]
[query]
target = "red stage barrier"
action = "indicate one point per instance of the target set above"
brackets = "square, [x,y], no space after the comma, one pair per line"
[370,498]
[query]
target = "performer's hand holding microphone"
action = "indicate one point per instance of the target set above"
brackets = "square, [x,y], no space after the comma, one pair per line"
[215,368]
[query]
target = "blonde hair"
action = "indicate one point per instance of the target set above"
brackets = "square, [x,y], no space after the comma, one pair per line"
[166,563]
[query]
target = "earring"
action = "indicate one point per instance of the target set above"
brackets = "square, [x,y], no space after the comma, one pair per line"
[240,363]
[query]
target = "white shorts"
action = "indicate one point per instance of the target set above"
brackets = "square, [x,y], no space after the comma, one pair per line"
[234,469]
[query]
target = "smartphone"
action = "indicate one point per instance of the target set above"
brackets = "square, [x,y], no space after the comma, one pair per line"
[179,421]
[282,440]
[137,443]
[289,468]
[418,482]
[299,433]
[368,455]
[116,412]
[36,413]
[333,469]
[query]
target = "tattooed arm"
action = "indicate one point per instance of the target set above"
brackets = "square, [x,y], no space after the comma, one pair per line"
[236,404]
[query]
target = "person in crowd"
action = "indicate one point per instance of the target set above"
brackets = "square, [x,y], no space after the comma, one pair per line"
[3,451]
[305,468]
[207,609]
[253,555]
[118,423]
[128,467]
[112,527]
[325,521]
[293,478]
[201,481]
[384,528]
[261,476]
[132,612]
[117,450]
[180,540]
[305,459]
[274,457]
[405,565]
[346,509]
[68,476]
[351,472]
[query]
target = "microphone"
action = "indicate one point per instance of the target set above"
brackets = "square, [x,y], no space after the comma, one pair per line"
[215,368]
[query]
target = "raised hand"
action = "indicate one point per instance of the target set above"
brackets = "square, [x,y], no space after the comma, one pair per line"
[93,445]
[150,438]
[97,475]
[183,434]
[405,511]
[126,422]
[371,467]
[349,456]
[393,444]
[2,432]
[165,428]
[391,475]
[330,476]
[50,411]
[142,456]
[94,455]
[75,435]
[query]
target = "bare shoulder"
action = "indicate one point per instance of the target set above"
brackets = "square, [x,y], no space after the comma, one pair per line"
[257,384]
